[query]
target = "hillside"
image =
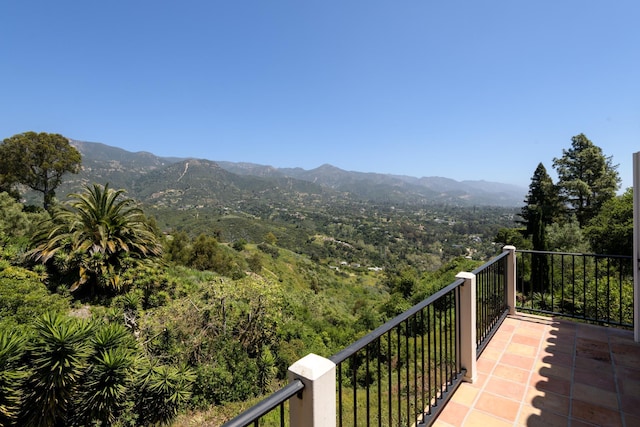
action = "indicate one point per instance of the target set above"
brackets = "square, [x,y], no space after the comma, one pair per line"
[136,171]
[259,267]
[384,219]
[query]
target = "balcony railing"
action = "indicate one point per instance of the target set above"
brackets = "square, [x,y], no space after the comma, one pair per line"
[491,295]
[402,373]
[589,287]
[267,407]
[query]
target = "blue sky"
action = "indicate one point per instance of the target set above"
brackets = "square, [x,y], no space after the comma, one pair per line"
[460,89]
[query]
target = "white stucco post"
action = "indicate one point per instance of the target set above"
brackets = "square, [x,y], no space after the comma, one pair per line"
[468,325]
[636,246]
[317,405]
[511,278]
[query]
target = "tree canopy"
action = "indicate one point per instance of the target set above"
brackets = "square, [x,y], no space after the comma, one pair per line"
[586,178]
[37,160]
[611,231]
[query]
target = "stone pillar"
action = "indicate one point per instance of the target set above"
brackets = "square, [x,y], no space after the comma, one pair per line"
[468,325]
[511,278]
[317,405]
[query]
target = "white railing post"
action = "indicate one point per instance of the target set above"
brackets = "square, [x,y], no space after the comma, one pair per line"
[468,325]
[511,278]
[636,246]
[317,405]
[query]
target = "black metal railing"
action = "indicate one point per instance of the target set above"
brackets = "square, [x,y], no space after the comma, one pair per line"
[594,288]
[267,408]
[402,372]
[491,299]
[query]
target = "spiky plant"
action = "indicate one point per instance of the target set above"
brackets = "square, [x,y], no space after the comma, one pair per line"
[58,359]
[107,387]
[11,376]
[162,391]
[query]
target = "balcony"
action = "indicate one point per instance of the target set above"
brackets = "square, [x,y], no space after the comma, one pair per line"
[538,371]
[474,354]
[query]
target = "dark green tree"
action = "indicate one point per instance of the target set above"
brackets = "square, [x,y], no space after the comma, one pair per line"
[178,248]
[13,221]
[542,207]
[204,253]
[586,178]
[97,238]
[37,160]
[611,231]
[512,236]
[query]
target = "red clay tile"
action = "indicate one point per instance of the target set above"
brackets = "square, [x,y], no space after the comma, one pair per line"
[629,373]
[561,359]
[485,366]
[628,386]
[536,418]
[602,380]
[553,345]
[593,349]
[593,365]
[595,414]
[631,420]
[526,340]
[555,371]
[554,385]
[505,388]
[544,372]
[517,361]
[591,331]
[594,396]
[630,404]
[626,354]
[454,414]
[581,423]
[548,402]
[501,407]
[511,373]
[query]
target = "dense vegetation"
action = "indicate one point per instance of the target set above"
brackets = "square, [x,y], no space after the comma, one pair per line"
[116,315]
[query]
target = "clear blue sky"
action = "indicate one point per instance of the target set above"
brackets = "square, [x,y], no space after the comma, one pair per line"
[460,89]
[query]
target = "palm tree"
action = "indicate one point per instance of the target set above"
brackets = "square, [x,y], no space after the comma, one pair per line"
[96,237]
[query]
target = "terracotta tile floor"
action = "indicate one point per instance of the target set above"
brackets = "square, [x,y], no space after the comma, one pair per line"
[539,371]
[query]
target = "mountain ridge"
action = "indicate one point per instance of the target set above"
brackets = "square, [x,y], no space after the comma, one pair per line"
[135,171]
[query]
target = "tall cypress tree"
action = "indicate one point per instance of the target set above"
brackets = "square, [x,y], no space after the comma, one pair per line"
[542,206]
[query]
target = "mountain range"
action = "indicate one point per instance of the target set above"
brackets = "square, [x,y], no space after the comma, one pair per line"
[183,182]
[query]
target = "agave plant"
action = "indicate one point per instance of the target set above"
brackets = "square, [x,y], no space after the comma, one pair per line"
[162,391]
[11,376]
[58,360]
[107,387]
[97,236]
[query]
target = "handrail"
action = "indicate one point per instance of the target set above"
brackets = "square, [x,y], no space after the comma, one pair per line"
[490,263]
[529,251]
[380,331]
[268,404]
[587,287]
